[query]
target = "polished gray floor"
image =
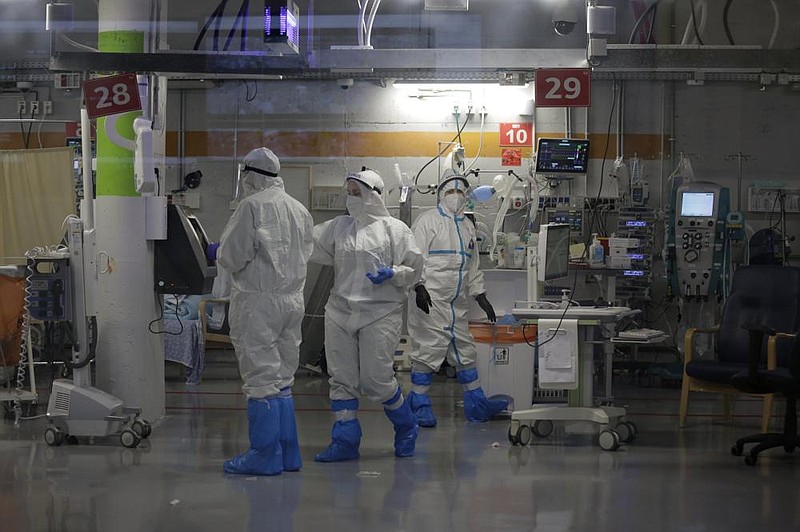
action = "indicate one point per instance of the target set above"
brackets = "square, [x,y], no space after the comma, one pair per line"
[464,476]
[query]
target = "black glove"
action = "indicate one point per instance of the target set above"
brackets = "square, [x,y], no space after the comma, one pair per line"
[486,306]
[423,298]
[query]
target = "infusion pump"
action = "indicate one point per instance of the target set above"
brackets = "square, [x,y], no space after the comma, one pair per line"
[699,234]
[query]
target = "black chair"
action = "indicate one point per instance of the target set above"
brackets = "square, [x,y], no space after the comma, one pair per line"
[784,380]
[767,295]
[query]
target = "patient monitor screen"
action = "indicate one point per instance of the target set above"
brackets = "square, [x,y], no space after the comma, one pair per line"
[558,156]
[697,204]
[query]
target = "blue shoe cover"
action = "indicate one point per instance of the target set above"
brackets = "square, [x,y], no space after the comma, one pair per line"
[264,457]
[345,440]
[421,406]
[290,446]
[405,430]
[478,408]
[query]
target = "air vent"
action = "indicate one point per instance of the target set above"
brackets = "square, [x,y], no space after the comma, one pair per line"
[62,402]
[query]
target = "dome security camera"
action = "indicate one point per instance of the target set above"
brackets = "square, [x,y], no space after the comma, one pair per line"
[345,83]
[565,18]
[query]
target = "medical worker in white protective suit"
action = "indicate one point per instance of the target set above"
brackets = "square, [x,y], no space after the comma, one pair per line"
[376,262]
[265,246]
[448,240]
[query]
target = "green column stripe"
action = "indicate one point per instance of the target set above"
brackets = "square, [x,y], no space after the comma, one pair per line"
[115,164]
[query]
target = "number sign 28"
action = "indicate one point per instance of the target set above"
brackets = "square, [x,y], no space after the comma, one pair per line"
[563,87]
[111,95]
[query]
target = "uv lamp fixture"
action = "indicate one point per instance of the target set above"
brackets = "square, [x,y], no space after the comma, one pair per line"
[282,26]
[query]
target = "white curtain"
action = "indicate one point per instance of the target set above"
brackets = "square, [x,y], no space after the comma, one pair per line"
[37,191]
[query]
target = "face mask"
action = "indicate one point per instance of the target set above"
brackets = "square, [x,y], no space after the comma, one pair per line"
[454,202]
[247,185]
[355,205]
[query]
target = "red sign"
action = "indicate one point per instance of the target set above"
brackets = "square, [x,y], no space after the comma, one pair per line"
[511,157]
[513,134]
[563,87]
[111,95]
[73,129]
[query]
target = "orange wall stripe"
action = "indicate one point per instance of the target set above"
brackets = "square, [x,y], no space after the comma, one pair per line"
[353,144]
[384,143]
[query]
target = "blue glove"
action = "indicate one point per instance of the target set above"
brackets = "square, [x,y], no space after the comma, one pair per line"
[211,251]
[384,274]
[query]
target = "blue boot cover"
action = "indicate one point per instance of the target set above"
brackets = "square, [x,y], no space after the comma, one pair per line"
[419,400]
[264,457]
[289,442]
[405,424]
[345,434]
[476,406]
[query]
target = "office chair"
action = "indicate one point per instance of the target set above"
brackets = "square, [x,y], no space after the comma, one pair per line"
[784,380]
[767,295]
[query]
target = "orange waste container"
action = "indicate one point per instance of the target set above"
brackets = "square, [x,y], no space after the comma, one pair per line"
[489,333]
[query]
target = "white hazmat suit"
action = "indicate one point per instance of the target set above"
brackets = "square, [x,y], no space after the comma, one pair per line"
[265,246]
[448,241]
[376,261]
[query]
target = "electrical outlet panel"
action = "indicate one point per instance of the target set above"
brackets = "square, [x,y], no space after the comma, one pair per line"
[22,106]
[47,107]
[34,107]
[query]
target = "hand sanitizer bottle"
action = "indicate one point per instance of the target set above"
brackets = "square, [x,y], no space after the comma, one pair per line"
[596,253]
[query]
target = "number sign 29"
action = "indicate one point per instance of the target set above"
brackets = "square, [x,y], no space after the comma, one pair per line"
[111,95]
[563,87]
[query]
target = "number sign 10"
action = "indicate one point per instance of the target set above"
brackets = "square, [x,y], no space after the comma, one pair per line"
[516,134]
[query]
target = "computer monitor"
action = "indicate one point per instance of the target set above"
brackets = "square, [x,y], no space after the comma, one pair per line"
[181,265]
[700,204]
[562,158]
[553,252]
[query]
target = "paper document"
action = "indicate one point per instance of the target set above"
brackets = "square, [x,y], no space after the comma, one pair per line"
[558,354]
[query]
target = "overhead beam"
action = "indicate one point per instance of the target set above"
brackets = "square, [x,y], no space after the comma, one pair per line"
[696,58]
[639,60]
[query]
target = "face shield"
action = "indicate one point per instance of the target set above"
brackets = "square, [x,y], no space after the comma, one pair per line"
[245,182]
[259,170]
[250,180]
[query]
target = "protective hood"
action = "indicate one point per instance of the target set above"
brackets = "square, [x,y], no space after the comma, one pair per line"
[371,186]
[260,171]
[452,202]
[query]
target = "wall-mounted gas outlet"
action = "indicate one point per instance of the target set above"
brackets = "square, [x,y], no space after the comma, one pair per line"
[35,107]
[21,107]
[462,109]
